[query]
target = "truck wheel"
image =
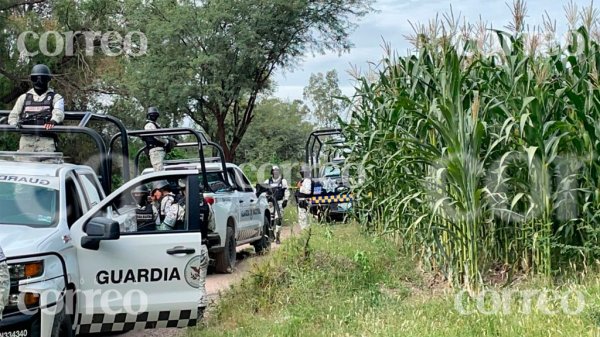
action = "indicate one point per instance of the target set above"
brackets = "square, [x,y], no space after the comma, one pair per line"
[263,244]
[62,326]
[225,260]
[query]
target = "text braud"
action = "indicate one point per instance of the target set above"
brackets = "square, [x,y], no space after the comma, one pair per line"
[138,275]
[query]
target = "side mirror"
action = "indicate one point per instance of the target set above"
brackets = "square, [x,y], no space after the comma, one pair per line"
[99,229]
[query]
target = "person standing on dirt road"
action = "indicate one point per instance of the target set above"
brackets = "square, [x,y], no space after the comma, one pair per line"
[281,194]
[4,282]
[39,106]
[302,195]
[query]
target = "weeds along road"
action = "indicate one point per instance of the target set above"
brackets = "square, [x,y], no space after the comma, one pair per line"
[215,283]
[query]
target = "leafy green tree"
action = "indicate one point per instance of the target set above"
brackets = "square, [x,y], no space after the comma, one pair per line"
[278,133]
[324,94]
[210,60]
[76,71]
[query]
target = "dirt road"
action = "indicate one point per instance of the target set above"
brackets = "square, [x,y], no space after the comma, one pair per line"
[215,283]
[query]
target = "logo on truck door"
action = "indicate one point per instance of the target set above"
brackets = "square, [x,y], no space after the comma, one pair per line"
[193,270]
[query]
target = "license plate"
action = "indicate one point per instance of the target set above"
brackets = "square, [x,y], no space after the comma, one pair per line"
[15,333]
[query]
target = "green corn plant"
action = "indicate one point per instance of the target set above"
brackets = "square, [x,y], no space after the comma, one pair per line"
[472,161]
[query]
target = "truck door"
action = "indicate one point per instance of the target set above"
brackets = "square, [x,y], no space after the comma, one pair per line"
[142,280]
[250,200]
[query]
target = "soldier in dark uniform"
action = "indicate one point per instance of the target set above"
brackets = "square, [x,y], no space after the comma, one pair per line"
[145,214]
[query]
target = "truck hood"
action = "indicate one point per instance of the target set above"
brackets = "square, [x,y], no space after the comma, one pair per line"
[21,240]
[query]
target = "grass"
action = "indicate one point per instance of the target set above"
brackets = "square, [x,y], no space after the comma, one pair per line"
[347,283]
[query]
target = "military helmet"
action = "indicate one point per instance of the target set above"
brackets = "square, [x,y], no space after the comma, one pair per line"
[153,111]
[159,185]
[40,70]
[140,194]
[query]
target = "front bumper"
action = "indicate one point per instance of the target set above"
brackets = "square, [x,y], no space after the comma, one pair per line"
[19,325]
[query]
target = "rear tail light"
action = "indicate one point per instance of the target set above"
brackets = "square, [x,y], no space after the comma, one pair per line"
[209,200]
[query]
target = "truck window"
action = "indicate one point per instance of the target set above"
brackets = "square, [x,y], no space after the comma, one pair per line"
[91,189]
[74,204]
[242,181]
[141,211]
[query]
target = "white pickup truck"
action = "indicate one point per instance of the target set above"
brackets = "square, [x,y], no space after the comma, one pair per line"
[78,262]
[240,215]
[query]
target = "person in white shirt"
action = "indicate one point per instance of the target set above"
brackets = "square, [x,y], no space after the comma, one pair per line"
[304,192]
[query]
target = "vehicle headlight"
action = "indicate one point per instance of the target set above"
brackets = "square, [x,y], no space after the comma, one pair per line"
[23,271]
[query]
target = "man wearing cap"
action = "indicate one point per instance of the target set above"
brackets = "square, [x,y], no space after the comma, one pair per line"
[170,214]
[4,282]
[39,106]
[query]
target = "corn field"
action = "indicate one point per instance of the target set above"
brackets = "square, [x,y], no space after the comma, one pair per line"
[478,161]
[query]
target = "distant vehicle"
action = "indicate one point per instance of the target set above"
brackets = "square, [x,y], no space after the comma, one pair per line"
[331,197]
[240,216]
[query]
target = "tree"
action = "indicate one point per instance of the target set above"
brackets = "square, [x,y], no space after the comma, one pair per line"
[211,59]
[76,73]
[278,133]
[324,94]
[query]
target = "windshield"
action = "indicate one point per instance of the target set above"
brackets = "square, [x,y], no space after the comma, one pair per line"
[332,171]
[28,204]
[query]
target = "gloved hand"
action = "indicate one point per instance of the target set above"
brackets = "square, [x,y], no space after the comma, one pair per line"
[284,204]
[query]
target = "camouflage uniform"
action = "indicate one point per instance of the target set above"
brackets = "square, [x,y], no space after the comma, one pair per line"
[169,212]
[4,282]
[203,271]
[157,153]
[34,142]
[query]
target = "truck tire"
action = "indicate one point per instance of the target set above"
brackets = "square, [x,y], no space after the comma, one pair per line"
[225,260]
[62,326]
[263,244]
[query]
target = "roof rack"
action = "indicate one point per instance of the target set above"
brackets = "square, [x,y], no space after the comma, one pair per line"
[84,117]
[104,160]
[54,157]
[192,160]
[319,138]
[201,142]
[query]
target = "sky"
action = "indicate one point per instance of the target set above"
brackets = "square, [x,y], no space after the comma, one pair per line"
[391,22]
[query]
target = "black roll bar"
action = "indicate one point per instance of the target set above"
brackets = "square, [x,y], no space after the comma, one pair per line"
[201,142]
[316,138]
[104,160]
[84,117]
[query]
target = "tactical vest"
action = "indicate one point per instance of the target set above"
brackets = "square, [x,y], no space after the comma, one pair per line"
[152,142]
[180,212]
[145,218]
[278,190]
[37,113]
